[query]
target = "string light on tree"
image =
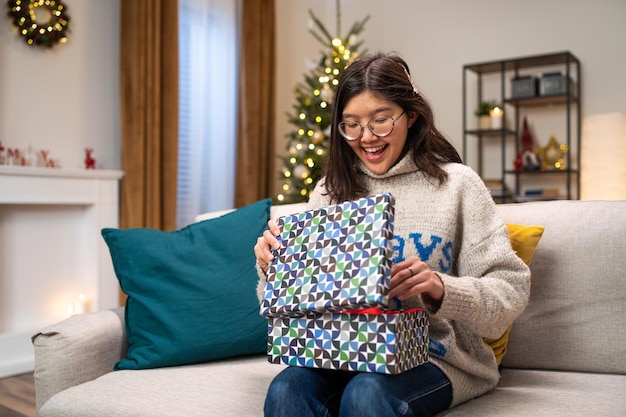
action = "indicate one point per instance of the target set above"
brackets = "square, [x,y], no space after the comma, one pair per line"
[307,145]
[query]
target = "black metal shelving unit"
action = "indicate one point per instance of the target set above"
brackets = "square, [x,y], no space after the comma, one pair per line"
[570,101]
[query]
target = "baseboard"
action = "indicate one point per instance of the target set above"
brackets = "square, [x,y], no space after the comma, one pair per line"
[16,353]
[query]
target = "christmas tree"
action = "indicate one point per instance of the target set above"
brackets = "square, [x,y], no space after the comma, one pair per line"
[307,145]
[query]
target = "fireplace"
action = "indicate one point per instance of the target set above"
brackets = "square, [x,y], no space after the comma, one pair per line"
[51,252]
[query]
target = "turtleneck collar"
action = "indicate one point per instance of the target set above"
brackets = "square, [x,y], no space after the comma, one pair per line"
[404,166]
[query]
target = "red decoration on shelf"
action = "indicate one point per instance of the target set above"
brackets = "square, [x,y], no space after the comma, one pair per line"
[530,161]
[518,163]
[90,162]
[30,158]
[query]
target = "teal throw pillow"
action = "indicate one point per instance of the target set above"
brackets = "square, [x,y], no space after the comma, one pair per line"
[191,292]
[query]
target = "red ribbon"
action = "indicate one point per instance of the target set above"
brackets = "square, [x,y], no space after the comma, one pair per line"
[378,311]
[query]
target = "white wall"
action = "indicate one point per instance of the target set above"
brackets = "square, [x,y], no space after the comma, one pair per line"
[437,38]
[64,99]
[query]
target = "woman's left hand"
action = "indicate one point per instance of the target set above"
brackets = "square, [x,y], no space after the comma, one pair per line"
[412,277]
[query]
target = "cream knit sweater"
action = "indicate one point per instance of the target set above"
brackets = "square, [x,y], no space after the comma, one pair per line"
[456,230]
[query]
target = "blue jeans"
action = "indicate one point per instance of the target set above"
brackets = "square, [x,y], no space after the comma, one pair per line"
[308,392]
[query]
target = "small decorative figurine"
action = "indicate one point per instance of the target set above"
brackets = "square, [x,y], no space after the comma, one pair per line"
[553,155]
[90,162]
[530,161]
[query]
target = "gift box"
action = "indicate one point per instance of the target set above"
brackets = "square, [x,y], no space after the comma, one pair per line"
[368,340]
[333,258]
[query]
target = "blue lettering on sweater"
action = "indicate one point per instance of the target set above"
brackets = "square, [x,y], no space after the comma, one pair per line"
[426,251]
[399,249]
[437,348]
[446,251]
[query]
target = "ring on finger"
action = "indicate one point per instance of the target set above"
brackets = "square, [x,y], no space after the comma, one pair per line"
[411,271]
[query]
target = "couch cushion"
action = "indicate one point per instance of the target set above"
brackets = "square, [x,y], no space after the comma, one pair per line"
[577,312]
[231,387]
[191,292]
[237,387]
[523,393]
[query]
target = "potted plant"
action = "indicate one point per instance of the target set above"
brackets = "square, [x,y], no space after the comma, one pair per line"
[483,112]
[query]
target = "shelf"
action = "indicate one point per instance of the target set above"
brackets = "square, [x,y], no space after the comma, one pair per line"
[540,172]
[541,100]
[501,146]
[490,132]
[524,62]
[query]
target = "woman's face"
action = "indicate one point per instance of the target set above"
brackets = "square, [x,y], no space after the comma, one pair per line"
[377,153]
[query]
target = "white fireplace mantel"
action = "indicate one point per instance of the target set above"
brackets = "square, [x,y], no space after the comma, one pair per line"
[51,251]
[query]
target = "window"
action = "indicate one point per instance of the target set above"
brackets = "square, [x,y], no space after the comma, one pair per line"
[208,72]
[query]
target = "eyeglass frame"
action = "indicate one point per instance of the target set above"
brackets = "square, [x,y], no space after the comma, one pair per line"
[393,125]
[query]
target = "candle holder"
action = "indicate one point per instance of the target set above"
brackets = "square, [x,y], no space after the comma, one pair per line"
[80,306]
[496,114]
[484,110]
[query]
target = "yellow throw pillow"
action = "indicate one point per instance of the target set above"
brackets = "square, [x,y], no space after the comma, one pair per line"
[524,240]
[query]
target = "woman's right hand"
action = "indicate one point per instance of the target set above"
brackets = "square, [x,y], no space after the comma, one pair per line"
[264,245]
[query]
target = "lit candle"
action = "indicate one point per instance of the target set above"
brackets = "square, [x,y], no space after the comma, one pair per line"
[80,306]
[496,118]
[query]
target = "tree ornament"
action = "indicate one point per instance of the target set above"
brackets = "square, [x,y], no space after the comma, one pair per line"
[318,137]
[301,171]
[40,22]
[327,93]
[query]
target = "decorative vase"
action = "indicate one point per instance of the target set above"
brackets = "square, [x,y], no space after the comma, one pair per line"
[484,122]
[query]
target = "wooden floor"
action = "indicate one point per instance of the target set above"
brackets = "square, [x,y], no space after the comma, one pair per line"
[17,396]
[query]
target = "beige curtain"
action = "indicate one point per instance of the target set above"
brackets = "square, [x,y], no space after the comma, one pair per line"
[149,112]
[255,147]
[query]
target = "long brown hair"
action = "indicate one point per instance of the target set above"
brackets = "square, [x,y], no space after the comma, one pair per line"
[387,77]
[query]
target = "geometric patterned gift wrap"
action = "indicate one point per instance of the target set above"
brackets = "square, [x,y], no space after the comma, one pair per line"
[332,258]
[371,340]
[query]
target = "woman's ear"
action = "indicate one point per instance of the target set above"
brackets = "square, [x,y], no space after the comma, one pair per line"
[412,118]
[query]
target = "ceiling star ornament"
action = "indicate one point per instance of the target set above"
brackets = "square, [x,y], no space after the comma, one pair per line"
[40,22]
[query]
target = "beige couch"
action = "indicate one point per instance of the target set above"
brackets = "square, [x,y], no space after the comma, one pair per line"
[566,357]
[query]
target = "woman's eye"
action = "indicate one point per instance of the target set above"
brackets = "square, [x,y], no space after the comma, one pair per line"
[380,120]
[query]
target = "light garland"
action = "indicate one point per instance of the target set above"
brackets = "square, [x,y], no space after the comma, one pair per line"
[48,34]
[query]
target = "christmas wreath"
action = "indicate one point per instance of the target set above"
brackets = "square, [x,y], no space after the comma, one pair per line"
[26,14]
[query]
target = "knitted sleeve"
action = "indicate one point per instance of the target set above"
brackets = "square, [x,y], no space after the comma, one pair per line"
[492,285]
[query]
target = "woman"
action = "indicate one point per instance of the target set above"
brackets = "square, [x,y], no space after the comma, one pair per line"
[452,254]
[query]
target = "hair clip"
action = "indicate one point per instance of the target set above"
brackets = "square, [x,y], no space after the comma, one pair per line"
[415,90]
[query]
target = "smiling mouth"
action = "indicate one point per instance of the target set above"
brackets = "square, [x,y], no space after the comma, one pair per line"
[377,150]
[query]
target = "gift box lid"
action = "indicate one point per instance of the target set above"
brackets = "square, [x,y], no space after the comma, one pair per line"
[332,258]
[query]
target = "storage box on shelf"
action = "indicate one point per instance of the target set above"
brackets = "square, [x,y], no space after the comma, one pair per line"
[536,83]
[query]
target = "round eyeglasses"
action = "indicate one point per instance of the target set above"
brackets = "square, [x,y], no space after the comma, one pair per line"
[379,126]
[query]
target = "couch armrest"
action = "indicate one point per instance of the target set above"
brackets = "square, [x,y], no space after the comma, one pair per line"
[76,350]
